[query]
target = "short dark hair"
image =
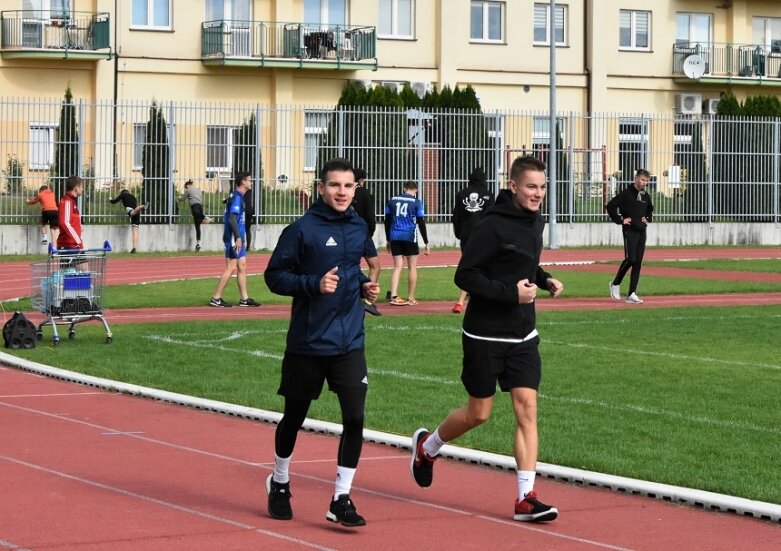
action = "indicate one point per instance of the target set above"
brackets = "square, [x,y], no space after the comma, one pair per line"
[524,163]
[339,165]
[642,172]
[410,184]
[360,174]
[43,187]
[72,183]
[188,183]
[240,177]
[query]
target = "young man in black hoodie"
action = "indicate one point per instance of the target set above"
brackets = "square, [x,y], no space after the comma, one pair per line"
[469,208]
[500,269]
[633,210]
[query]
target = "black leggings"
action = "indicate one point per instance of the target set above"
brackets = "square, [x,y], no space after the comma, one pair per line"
[634,249]
[352,403]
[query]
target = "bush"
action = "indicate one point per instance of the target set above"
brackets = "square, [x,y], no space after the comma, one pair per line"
[13,175]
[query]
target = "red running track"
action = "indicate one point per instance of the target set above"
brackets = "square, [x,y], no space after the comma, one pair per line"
[86,469]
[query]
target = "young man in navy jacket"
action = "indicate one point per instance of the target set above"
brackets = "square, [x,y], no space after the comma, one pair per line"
[317,261]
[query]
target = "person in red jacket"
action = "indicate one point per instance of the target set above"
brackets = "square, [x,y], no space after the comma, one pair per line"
[69,217]
[48,201]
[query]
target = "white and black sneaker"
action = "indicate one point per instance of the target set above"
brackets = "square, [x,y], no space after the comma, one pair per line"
[532,509]
[634,299]
[219,303]
[248,302]
[615,291]
[342,510]
[278,499]
[197,247]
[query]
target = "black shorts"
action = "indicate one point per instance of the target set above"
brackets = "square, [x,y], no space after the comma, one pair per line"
[303,376]
[135,220]
[197,210]
[404,248]
[50,218]
[512,364]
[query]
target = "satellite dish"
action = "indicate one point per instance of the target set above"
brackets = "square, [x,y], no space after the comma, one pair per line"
[694,66]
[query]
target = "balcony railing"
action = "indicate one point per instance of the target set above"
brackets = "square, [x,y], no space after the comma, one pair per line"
[746,61]
[54,34]
[263,43]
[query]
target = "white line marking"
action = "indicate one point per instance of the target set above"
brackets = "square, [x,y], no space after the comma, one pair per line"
[168,504]
[50,395]
[682,357]
[8,545]
[191,344]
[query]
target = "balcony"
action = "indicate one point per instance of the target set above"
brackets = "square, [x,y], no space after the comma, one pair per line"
[49,34]
[732,63]
[295,45]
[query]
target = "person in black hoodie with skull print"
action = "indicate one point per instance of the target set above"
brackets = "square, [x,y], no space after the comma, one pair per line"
[500,269]
[633,210]
[469,208]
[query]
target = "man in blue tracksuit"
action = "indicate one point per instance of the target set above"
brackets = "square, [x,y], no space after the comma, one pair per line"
[317,261]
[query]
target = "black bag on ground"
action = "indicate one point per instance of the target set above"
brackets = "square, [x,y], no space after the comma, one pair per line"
[19,332]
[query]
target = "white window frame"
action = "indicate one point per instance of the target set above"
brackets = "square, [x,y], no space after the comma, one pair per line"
[324,13]
[633,30]
[688,40]
[494,124]
[139,139]
[565,20]
[228,145]
[643,140]
[768,24]
[486,4]
[313,130]
[51,129]
[150,15]
[46,6]
[396,14]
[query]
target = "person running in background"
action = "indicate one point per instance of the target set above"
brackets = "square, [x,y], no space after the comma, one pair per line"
[500,269]
[133,210]
[317,261]
[234,237]
[633,211]
[49,213]
[403,215]
[69,219]
[363,203]
[469,208]
[194,197]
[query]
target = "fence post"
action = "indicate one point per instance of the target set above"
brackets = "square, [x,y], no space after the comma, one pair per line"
[710,171]
[570,171]
[171,162]
[80,152]
[259,188]
[340,145]
[776,146]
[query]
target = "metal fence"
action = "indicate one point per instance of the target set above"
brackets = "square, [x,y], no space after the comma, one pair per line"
[703,168]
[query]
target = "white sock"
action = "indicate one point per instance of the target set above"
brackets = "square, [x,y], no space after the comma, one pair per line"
[281,469]
[525,483]
[344,481]
[433,444]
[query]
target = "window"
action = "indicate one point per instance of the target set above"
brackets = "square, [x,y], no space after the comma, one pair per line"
[542,24]
[767,32]
[632,147]
[219,148]
[234,10]
[541,137]
[487,21]
[56,7]
[692,29]
[396,18]
[494,125]
[151,14]
[634,30]
[325,12]
[139,139]
[42,139]
[315,131]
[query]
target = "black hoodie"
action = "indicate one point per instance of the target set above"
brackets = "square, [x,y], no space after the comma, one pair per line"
[470,205]
[503,249]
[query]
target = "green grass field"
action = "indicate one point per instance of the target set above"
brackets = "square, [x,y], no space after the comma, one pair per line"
[685,396]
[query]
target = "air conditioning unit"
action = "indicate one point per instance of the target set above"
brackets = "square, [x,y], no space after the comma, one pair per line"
[688,104]
[421,88]
[392,85]
[710,106]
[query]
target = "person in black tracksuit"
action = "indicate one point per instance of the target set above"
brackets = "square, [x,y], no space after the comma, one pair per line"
[633,210]
[133,210]
[469,208]
[500,269]
[363,204]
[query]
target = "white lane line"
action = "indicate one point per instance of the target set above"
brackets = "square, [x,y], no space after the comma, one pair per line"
[52,395]
[163,503]
[191,344]
[8,545]
[670,355]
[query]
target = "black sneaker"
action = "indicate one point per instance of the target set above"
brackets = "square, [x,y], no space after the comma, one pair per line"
[342,510]
[421,465]
[371,308]
[533,510]
[387,295]
[219,303]
[197,247]
[133,250]
[278,499]
[248,302]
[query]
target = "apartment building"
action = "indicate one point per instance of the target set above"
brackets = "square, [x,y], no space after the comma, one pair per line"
[612,55]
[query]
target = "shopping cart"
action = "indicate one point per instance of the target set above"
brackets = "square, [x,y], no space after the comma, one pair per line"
[68,288]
